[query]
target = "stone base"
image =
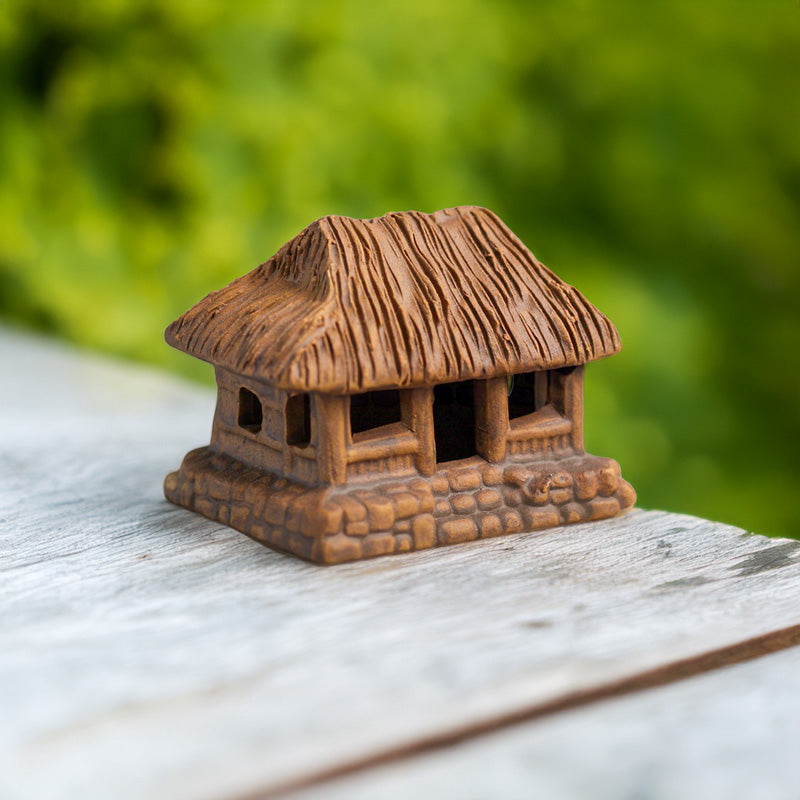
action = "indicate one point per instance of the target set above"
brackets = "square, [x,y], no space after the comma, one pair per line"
[475,500]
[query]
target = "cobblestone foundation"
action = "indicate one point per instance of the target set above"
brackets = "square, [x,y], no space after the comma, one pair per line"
[477,500]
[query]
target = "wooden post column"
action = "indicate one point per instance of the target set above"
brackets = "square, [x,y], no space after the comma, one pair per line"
[417,415]
[331,418]
[491,418]
[573,405]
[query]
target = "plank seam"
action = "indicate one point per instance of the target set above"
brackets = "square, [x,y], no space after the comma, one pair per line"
[673,672]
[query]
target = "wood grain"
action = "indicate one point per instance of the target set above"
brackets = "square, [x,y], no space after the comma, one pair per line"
[442,741]
[728,735]
[145,651]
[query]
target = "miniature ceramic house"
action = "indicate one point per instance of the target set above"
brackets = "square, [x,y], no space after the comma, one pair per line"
[393,384]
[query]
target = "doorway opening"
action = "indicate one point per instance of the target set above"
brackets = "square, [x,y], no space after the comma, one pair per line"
[454,421]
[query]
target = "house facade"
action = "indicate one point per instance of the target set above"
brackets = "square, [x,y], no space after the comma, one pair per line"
[321,438]
[425,357]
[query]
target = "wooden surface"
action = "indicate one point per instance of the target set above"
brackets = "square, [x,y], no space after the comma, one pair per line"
[727,734]
[147,652]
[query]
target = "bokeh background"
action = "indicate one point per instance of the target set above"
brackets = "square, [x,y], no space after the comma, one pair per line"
[649,153]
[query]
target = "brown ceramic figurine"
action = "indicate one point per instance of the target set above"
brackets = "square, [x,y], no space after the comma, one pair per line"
[393,384]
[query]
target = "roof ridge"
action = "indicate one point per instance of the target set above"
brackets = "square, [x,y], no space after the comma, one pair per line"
[408,212]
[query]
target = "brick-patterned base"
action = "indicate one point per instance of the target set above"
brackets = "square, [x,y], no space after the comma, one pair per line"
[477,500]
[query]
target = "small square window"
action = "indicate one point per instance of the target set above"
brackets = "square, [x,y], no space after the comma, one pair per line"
[533,392]
[251,415]
[374,410]
[527,392]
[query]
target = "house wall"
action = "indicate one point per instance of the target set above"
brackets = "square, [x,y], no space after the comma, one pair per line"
[401,448]
[556,430]
[267,449]
[332,455]
[391,449]
[335,456]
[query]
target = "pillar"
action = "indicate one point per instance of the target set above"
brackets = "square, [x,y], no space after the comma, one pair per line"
[331,418]
[573,404]
[417,415]
[491,418]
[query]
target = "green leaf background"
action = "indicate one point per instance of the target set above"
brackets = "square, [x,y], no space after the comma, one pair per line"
[647,152]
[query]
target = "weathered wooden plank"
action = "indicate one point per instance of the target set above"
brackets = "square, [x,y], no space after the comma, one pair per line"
[725,735]
[147,651]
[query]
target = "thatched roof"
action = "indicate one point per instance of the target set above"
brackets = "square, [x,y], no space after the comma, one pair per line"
[406,299]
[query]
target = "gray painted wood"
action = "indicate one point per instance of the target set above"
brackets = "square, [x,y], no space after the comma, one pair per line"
[145,651]
[730,734]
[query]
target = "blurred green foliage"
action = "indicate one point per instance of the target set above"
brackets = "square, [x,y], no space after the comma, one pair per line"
[152,151]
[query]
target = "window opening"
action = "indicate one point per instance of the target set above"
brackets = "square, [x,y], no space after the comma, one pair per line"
[374,409]
[251,415]
[454,420]
[298,420]
[530,392]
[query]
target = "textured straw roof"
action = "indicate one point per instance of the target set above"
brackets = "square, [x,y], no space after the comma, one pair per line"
[405,299]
